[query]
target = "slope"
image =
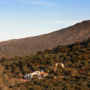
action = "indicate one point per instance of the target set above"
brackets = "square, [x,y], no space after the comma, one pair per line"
[30,45]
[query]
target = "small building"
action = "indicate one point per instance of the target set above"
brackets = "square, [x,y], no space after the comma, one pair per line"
[39,74]
[27,77]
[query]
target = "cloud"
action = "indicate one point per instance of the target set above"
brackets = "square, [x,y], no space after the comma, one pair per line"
[44,3]
[38,2]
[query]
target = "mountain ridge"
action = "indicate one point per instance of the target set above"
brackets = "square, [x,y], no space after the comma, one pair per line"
[31,45]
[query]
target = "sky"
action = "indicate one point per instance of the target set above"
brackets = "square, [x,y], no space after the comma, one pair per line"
[25,18]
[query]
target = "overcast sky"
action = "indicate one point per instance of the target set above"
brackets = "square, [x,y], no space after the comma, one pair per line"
[24,18]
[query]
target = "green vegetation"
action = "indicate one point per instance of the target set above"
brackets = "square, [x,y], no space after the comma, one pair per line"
[75,56]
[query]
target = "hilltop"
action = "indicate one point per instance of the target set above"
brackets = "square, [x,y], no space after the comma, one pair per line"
[27,46]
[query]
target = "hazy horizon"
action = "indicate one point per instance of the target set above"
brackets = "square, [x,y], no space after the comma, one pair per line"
[12,38]
[25,18]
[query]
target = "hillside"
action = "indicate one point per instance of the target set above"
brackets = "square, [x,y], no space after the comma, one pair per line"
[74,76]
[30,45]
